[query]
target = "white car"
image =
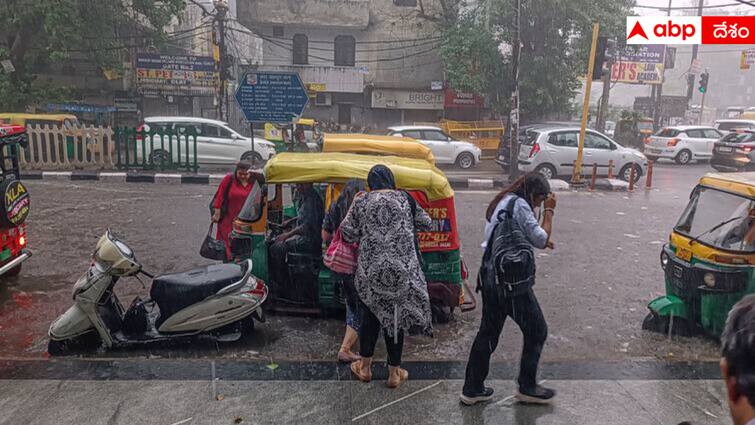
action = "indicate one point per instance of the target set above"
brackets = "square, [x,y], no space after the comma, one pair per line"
[552,150]
[445,148]
[217,143]
[731,125]
[682,143]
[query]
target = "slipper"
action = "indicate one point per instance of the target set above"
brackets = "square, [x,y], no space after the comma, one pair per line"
[403,375]
[357,371]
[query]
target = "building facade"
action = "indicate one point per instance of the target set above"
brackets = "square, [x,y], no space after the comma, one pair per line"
[366,63]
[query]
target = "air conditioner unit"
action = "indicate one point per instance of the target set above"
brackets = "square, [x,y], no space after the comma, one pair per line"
[323,99]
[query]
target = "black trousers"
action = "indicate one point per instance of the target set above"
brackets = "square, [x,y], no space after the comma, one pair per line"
[525,311]
[369,330]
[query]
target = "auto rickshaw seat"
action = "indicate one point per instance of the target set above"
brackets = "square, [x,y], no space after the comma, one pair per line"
[176,291]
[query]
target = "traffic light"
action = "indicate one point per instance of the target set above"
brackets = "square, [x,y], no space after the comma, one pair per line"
[703,82]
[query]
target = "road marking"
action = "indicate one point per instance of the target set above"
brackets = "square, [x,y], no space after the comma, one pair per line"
[395,401]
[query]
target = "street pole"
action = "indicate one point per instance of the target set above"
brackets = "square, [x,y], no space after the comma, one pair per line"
[514,115]
[576,177]
[220,16]
[658,101]
[603,108]
[691,80]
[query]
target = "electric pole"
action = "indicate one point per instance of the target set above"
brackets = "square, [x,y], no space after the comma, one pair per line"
[220,16]
[609,53]
[658,101]
[576,178]
[691,76]
[516,49]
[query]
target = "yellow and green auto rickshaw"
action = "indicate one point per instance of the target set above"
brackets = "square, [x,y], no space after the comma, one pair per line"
[369,144]
[709,262]
[311,288]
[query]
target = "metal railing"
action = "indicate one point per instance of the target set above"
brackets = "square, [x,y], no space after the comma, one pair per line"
[64,147]
[156,149]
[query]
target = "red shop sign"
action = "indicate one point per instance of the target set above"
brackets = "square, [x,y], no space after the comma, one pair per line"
[454,99]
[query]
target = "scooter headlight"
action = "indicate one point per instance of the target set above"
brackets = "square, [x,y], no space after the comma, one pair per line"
[664,259]
[709,279]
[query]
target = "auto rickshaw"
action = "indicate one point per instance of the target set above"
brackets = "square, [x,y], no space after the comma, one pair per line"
[15,203]
[709,262]
[368,144]
[304,136]
[311,287]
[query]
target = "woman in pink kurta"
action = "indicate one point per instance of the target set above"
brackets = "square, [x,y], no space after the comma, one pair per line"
[240,187]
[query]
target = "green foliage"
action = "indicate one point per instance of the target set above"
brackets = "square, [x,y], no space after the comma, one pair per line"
[46,32]
[556,36]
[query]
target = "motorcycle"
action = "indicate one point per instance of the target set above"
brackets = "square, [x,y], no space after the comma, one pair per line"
[219,301]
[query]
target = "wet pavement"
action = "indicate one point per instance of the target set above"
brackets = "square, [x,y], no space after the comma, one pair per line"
[593,289]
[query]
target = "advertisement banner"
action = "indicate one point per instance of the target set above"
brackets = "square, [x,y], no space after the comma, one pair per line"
[407,99]
[443,235]
[639,65]
[176,75]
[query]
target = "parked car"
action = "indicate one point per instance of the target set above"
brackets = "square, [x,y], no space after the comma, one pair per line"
[552,150]
[682,143]
[735,152]
[504,147]
[217,143]
[731,125]
[446,149]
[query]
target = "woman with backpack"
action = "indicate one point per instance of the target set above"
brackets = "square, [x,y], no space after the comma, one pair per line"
[506,277]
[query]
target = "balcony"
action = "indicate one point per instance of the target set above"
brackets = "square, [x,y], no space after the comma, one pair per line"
[345,14]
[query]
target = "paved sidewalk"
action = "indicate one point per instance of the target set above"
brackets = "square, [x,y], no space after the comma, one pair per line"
[597,402]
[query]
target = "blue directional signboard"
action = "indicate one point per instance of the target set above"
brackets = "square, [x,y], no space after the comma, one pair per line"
[275,97]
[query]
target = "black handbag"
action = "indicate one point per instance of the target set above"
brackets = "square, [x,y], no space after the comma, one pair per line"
[213,248]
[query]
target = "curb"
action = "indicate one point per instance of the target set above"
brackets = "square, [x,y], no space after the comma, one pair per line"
[557,185]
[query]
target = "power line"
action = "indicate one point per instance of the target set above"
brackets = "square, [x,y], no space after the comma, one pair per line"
[745,2]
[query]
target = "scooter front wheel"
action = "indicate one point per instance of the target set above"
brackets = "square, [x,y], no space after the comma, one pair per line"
[85,342]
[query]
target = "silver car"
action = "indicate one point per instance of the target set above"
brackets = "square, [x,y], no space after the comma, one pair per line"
[552,150]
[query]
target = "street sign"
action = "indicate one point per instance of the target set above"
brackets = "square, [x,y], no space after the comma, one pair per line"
[696,67]
[275,97]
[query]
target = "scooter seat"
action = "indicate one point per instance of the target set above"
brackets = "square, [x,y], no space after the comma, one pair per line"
[174,292]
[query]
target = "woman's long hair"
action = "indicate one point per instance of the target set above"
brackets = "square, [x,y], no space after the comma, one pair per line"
[527,186]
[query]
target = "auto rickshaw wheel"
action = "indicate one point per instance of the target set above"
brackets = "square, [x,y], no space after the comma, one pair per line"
[660,324]
[441,313]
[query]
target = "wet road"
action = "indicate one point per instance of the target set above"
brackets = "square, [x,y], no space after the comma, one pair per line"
[593,287]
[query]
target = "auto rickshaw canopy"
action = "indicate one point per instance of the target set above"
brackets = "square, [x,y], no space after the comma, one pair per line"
[739,183]
[377,145]
[331,167]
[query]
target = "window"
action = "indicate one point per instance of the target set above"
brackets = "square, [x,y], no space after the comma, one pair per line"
[712,134]
[405,3]
[569,139]
[695,134]
[435,135]
[345,50]
[593,141]
[668,132]
[277,31]
[733,125]
[414,134]
[210,130]
[300,49]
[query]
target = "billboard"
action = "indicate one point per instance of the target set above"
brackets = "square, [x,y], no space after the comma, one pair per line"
[639,65]
[178,75]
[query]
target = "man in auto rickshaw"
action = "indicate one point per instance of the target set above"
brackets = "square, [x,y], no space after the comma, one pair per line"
[300,234]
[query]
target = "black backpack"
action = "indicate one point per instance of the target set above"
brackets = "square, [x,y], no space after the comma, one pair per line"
[509,260]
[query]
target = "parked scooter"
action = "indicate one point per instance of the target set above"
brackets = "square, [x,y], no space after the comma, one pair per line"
[218,301]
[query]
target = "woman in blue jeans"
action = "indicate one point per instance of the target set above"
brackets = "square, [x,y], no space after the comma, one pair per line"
[330,223]
[527,192]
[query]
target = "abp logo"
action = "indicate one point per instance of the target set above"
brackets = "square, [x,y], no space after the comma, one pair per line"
[664,30]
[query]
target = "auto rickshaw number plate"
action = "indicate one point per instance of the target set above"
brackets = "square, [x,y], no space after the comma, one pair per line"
[684,254]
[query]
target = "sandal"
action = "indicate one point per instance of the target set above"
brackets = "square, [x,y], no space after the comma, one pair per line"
[348,357]
[356,369]
[396,377]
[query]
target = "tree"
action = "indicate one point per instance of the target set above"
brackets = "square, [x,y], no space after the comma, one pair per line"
[555,35]
[42,33]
